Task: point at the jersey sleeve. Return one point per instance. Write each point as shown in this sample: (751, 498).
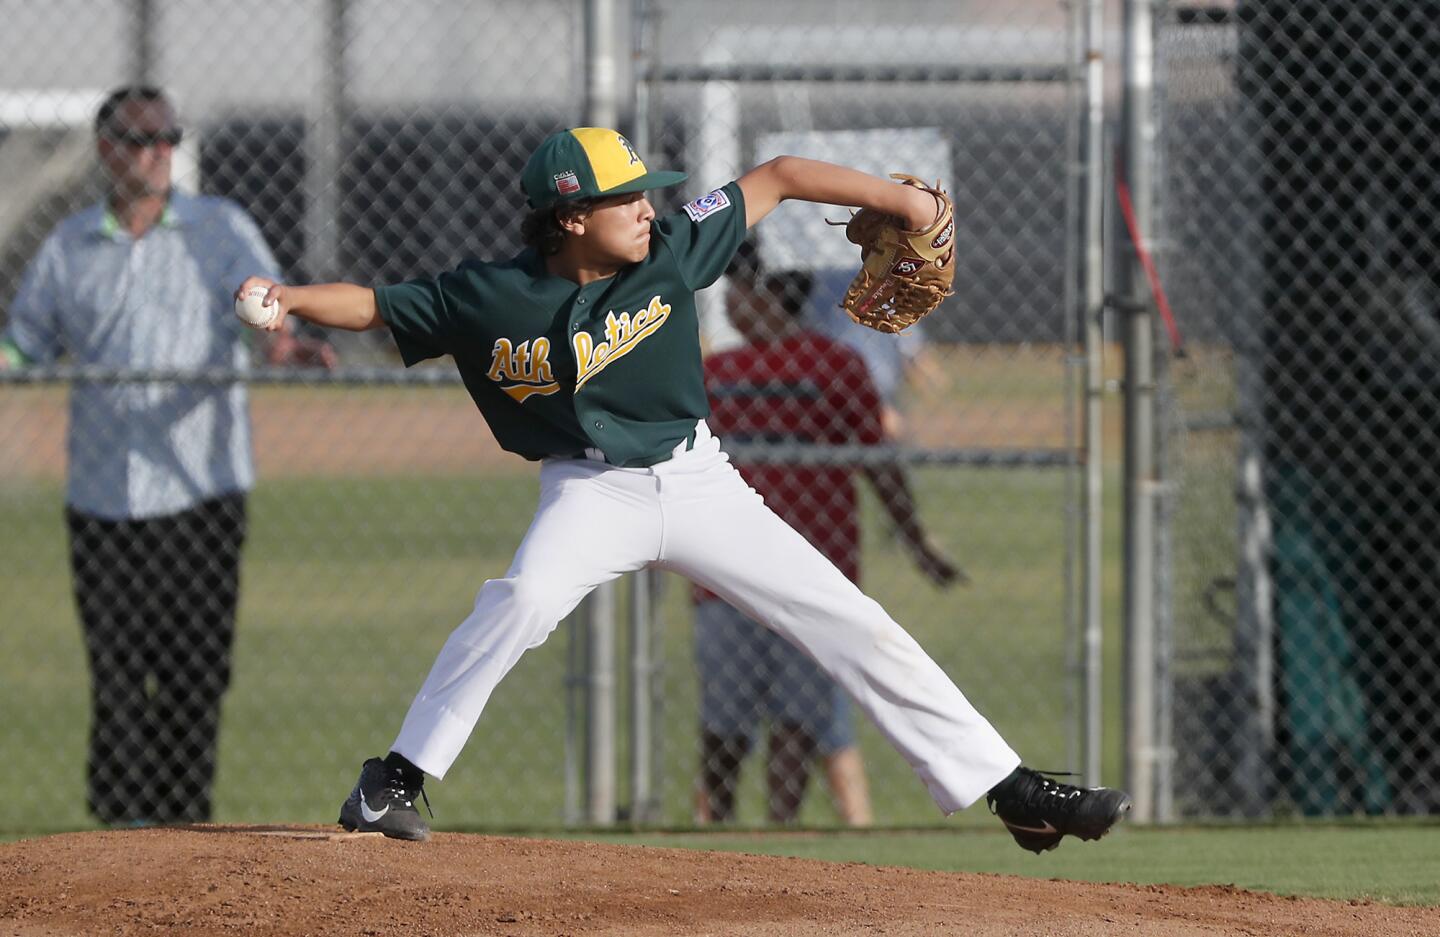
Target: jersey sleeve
(704, 235)
(421, 316)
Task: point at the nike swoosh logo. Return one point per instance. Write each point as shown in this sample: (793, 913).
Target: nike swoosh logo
(1047, 828)
(371, 815)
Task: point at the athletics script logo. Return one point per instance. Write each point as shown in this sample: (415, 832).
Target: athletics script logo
(623, 332)
(522, 370)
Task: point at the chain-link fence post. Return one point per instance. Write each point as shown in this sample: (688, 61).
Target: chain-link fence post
(1140, 481)
(1091, 27)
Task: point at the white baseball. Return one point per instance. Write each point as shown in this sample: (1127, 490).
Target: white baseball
(251, 311)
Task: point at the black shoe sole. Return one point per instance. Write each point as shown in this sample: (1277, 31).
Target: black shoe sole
(1045, 842)
(411, 835)
(1035, 842)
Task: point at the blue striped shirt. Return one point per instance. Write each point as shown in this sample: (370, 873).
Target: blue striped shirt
(163, 301)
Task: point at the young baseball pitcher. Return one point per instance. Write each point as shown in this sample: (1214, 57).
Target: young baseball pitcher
(583, 352)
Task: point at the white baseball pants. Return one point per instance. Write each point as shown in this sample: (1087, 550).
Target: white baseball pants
(694, 515)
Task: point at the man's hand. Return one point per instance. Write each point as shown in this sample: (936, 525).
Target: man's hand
(284, 347)
(936, 566)
(289, 350)
(892, 485)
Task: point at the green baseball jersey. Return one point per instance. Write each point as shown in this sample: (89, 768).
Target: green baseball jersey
(557, 368)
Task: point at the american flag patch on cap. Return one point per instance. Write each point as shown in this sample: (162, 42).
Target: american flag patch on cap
(567, 184)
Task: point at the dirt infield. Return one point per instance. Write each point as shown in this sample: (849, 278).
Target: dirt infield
(988, 397)
(293, 881)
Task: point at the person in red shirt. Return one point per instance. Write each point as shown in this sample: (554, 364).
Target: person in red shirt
(790, 386)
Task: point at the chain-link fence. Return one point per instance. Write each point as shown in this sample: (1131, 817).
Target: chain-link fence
(1299, 143)
(171, 609)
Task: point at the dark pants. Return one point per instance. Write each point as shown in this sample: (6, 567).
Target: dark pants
(157, 602)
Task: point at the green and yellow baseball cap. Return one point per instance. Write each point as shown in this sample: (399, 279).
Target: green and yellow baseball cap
(588, 162)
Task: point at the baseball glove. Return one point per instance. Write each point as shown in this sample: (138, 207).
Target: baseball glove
(904, 274)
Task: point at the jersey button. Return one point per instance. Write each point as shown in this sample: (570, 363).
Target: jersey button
(599, 424)
(581, 300)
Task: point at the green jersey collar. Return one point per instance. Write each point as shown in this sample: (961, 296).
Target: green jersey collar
(174, 216)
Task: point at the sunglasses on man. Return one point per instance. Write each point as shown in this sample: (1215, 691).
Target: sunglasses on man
(145, 138)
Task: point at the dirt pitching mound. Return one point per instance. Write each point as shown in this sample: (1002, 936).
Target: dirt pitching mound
(291, 881)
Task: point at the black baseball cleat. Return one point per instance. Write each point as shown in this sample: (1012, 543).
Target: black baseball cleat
(382, 803)
(1039, 811)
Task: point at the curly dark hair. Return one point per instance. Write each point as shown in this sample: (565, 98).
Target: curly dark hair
(541, 228)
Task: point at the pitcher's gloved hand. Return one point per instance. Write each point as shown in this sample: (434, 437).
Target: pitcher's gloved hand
(904, 275)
